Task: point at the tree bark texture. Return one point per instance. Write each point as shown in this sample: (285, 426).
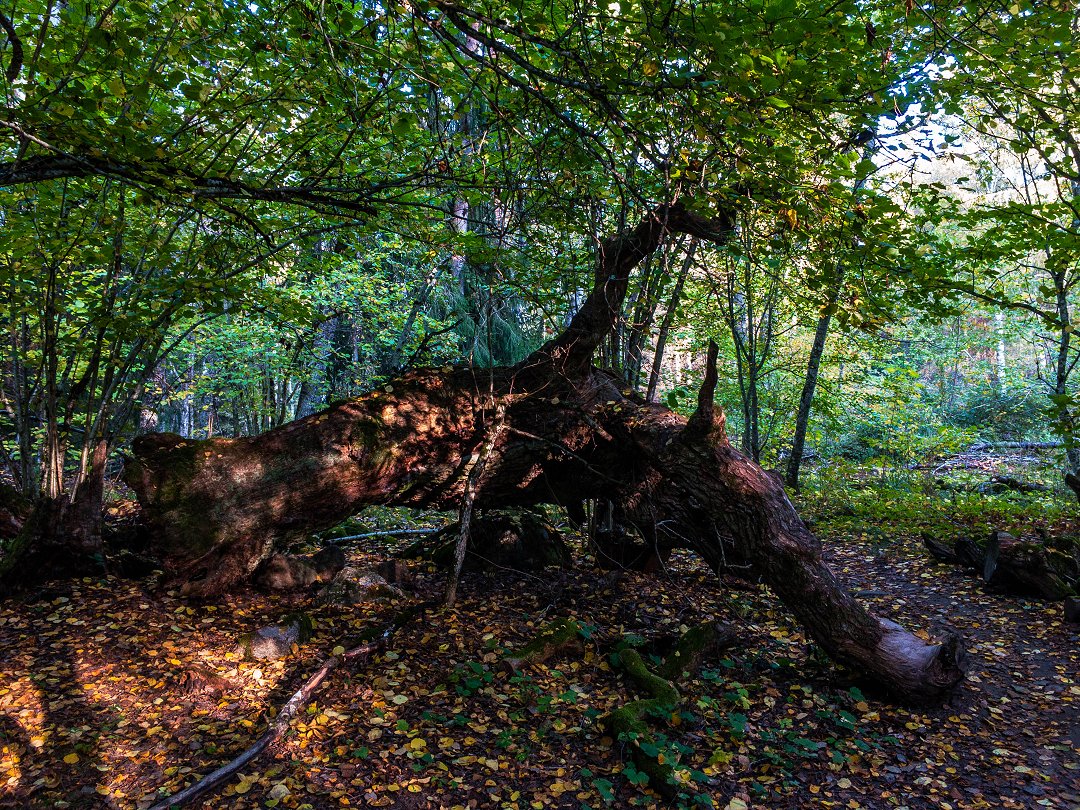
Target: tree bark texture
(552, 429)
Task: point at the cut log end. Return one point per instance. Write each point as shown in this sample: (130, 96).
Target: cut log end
(917, 671)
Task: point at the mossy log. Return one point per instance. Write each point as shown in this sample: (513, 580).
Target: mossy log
(556, 430)
(558, 636)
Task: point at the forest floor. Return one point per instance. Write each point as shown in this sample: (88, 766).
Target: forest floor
(92, 713)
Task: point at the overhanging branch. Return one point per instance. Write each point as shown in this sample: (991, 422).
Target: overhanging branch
(44, 168)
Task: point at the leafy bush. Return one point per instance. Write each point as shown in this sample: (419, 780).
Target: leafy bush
(1007, 413)
(845, 500)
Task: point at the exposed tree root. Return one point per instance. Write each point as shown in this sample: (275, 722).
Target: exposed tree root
(628, 722)
(557, 636)
(685, 659)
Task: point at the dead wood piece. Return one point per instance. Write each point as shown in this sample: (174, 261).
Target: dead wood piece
(337, 541)
(559, 636)
(1013, 565)
(396, 572)
(939, 550)
(992, 554)
(1004, 483)
(1049, 569)
(504, 539)
(1014, 446)
(1072, 609)
(970, 553)
(1073, 483)
(280, 724)
(617, 549)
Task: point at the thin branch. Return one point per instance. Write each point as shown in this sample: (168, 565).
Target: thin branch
(473, 473)
(334, 541)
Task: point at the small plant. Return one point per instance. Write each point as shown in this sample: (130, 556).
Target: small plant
(470, 677)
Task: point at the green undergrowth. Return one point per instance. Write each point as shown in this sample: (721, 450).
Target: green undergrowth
(878, 507)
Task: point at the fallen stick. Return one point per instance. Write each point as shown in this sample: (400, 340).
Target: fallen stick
(295, 704)
(384, 533)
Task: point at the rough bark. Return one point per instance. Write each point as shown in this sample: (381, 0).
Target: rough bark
(61, 534)
(566, 431)
(1049, 569)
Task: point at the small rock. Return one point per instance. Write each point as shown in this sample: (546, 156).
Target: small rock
(269, 642)
(276, 641)
(283, 572)
(1072, 609)
(352, 585)
(396, 572)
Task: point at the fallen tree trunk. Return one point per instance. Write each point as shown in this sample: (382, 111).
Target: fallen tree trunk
(552, 429)
(1048, 569)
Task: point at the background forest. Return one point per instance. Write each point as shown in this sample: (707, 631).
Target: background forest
(219, 219)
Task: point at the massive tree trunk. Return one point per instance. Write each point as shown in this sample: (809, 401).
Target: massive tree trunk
(551, 429)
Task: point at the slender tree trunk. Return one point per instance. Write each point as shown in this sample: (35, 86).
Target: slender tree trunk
(1062, 369)
(813, 366)
(999, 353)
(813, 369)
(665, 325)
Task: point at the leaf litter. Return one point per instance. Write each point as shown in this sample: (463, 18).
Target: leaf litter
(96, 709)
